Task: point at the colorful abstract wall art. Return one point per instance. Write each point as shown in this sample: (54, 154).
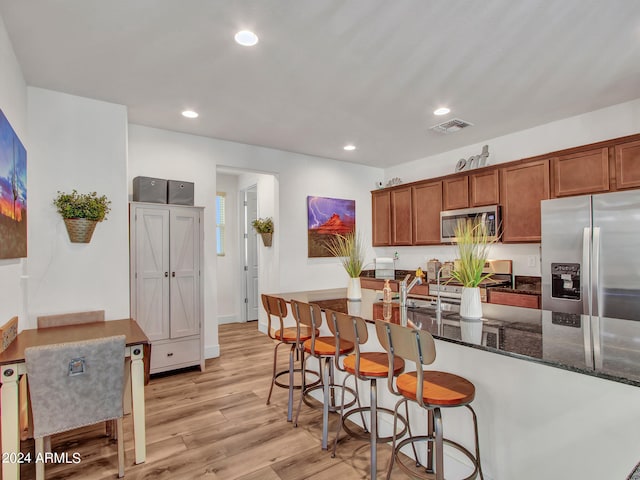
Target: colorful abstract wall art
(328, 217)
(13, 193)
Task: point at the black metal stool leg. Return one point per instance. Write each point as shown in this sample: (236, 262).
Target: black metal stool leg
(395, 436)
(273, 377)
(374, 427)
(429, 466)
(475, 431)
(328, 374)
(302, 389)
(437, 420)
(290, 402)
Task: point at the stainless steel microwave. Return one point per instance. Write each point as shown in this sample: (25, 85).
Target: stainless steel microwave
(490, 215)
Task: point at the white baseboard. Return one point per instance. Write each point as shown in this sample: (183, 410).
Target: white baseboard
(224, 319)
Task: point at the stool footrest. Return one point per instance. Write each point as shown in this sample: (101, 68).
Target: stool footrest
(430, 438)
(334, 407)
(296, 386)
(366, 435)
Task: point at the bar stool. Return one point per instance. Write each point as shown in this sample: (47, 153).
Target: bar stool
(366, 366)
(431, 390)
(325, 349)
(277, 307)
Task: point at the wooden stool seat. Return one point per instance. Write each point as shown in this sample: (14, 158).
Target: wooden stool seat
(326, 347)
(439, 388)
(373, 364)
(289, 335)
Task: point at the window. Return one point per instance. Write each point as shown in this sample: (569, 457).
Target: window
(220, 201)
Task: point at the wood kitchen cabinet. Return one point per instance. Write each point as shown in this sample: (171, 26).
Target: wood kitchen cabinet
(381, 221)
(426, 201)
(627, 161)
(514, 299)
(581, 173)
(523, 186)
(401, 217)
(484, 188)
(455, 193)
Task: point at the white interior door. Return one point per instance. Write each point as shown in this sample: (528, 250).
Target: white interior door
(251, 260)
(185, 272)
(152, 271)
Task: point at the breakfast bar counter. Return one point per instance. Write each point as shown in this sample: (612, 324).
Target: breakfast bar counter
(606, 348)
(578, 419)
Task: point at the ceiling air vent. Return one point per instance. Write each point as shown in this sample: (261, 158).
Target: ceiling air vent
(451, 126)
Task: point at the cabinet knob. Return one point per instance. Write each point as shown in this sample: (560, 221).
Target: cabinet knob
(170, 354)
(166, 274)
(173, 274)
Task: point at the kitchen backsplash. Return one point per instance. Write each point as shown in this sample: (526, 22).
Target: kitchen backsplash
(526, 257)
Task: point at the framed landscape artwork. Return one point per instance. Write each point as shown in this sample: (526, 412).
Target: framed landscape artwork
(328, 217)
(13, 193)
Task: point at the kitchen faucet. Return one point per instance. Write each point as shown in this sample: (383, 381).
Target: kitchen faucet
(404, 291)
(438, 302)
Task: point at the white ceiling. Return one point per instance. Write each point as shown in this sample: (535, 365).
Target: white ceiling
(329, 72)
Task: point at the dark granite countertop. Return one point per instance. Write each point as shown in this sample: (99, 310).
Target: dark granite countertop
(606, 348)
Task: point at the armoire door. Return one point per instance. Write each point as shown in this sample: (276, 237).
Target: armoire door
(152, 272)
(185, 272)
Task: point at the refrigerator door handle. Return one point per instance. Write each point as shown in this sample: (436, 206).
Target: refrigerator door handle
(596, 295)
(586, 271)
(595, 272)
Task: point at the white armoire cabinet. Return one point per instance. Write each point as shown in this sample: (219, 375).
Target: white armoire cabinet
(166, 283)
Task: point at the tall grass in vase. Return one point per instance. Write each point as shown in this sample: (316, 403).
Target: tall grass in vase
(350, 249)
(473, 244)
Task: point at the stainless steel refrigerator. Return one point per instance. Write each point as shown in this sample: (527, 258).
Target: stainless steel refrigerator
(591, 272)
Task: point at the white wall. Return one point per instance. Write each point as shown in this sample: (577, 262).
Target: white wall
(604, 124)
(13, 102)
(611, 122)
(77, 143)
(228, 271)
(285, 266)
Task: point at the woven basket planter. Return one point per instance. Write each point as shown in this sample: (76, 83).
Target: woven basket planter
(267, 239)
(80, 230)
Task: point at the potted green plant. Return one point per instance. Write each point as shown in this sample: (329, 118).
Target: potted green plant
(81, 213)
(264, 226)
(473, 245)
(350, 249)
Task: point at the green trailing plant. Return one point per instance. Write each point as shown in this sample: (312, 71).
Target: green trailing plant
(350, 249)
(263, 225)
(473, 245)
(82, 205)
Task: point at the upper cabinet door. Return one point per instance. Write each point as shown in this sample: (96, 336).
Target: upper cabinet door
(455, 193)
(381, 218)
(581, 173)
(401, 226)
(185, 272)
(484, 188)
(628, 165)
(523, 187)
(426, 203)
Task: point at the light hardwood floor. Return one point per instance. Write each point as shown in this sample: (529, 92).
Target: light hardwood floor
(215, 425)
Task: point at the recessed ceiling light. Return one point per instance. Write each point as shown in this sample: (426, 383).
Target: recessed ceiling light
(441, 111)
(349, 148)
(190, 114)
(246, 38)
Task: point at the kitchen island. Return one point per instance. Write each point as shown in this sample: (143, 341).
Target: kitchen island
(578, 419)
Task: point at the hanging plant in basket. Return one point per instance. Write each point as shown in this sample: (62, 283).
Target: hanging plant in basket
(264, 226)
(81, 213)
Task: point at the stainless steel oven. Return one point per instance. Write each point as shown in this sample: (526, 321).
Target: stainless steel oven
(449, 219)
